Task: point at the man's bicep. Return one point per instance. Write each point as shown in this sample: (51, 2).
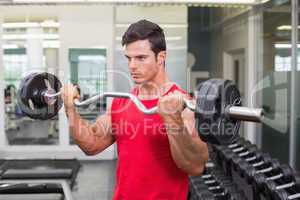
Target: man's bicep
(103, 127)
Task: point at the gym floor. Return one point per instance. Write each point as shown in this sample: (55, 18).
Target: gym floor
(95, 180)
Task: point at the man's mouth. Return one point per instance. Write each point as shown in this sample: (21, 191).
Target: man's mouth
(135, 75)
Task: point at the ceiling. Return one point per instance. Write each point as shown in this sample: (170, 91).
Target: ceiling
(214, 3)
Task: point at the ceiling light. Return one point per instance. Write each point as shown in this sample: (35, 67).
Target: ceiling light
(10, 46)
(246, 2)
(170, 38)
(285, 28)
(45, 24)
(30, 36)
(285, 46)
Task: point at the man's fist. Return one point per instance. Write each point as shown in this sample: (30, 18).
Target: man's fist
(69, 93)
(170, 108)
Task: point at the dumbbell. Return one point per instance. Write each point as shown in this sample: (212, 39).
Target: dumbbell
(213, 173)
(242, 153)
(206, 195)
(218, 183)
(234, 156)
(270, 186)
(213, 183)
(252, 156)
(225, 182)
(218, 108)
(237, 143)
(219, 177)
(225, 153)
(248, 170)
(217, 192)
(284, 195)
(284, 171)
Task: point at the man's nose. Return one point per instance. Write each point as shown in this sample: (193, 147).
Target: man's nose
(132, 64)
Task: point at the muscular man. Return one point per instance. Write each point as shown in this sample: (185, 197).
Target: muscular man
(156, 153)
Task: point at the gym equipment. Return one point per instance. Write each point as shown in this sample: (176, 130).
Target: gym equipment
(51, 169)
(284, 171)
(214, 184)
(21, 188)
(241, 151)
(243, 163)
(232, 155)
(256, 173)
(272, 185)
(42, 196)
(32, 97)
(283, 195)
(35, 190)
(248, 170)
(218, 109)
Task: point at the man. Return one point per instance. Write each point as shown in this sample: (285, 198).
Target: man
(156, 153)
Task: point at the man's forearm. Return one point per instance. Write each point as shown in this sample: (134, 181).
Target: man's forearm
(82, 132)
(188, 151)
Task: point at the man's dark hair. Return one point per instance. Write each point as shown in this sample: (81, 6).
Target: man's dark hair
(143, 30)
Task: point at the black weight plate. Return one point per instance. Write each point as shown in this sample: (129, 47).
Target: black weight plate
(30, 97)
(202, 106)
(213, 96)
(229, 128)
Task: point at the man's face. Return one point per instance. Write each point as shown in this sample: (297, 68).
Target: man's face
(143, 65)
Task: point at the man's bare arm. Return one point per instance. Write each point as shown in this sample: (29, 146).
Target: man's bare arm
(91, 138)
(189, 152)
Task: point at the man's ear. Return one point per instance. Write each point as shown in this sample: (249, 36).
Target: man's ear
(161, 57)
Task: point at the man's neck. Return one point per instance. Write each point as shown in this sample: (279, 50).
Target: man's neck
(155, 89)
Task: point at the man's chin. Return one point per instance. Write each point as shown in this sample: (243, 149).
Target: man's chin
(139, 81)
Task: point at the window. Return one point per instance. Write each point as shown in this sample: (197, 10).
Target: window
(28, 47)
(88, 70)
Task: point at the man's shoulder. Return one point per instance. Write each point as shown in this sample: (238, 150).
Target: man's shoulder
(183, 91)
(178, 88)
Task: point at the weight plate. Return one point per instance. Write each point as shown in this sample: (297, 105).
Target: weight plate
(213, 125)
(30, 96)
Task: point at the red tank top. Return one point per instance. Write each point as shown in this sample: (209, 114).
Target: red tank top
(145, 168)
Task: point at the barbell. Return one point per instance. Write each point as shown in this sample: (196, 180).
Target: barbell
(218, 108)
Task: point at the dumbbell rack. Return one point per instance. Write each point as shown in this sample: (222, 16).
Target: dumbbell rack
(241, 171)
(255, 173)
(214, 184)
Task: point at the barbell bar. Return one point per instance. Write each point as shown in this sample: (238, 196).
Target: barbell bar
(237, 112)
(218, 105)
